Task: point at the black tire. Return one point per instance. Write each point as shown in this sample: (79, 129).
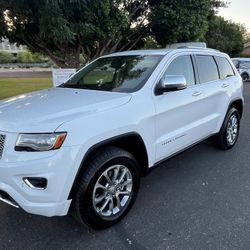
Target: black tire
(245, 77)
(221, 140)
(83, 203)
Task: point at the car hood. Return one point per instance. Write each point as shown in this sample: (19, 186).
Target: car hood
(46, 110)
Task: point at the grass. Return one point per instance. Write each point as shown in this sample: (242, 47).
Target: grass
(16, 86)
(12, 86)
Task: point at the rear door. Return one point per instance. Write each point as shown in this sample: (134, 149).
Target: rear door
(228, 79)
(215, 81)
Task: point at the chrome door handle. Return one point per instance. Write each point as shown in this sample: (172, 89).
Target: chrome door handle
(225, 85)
(197, 93)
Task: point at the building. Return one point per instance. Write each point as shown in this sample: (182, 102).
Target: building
(11, 48)
(246, 51)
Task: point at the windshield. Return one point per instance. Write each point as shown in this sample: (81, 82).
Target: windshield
(118, 74)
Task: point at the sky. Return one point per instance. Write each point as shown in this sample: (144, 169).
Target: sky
(238, 11)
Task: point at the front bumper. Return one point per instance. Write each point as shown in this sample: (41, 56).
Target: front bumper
(45, 209)
(58, 167)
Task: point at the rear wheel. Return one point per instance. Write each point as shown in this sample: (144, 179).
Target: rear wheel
(229, 133)
(245, 77)
(107, 189)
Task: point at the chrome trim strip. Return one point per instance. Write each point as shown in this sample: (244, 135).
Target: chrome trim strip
(11, 203)
(2, 142)
(27, 182)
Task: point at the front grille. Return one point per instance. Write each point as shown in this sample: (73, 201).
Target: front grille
(2, 141)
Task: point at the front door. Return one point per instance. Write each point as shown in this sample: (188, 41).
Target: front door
(180, 115)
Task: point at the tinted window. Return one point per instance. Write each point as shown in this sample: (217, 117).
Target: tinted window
(224, 67)
(207, 68)
(182, 66)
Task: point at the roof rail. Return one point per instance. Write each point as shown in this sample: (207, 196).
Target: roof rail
(192, 47)
(187, 45)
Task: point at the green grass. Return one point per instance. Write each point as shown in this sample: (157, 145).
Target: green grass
(16, 86)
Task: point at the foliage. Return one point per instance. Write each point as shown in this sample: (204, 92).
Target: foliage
(150, 43)
(225, 36)
(66, 29)
(81, 60)
(39, 58)
(5, 57)
(181, 21)
(25, 57)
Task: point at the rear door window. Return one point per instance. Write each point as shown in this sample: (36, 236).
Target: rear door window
(225, 68)
(207, 68)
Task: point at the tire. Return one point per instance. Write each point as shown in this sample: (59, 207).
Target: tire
(244, 77)
(109, 163)
(229, 133)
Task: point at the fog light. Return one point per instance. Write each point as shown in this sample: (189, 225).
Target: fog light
(36, 182)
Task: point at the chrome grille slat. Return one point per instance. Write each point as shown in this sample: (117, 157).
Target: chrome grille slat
(2, 141)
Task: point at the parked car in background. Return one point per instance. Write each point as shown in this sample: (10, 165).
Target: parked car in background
(243, 67)
(83, 146)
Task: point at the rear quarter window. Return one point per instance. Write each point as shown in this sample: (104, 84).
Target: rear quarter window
(207, 68)
(225, 68)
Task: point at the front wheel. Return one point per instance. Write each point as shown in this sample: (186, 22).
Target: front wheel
(108, 188)
(229, 133)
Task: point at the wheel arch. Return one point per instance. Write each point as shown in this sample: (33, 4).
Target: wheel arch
(131, 142)
(244, 73)
(238, 104)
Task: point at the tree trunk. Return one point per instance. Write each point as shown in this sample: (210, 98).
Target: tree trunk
(72, 58)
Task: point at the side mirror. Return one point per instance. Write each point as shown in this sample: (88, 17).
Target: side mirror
(171, 83)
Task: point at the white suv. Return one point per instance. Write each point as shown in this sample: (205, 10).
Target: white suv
(243, 67)
(84, 145)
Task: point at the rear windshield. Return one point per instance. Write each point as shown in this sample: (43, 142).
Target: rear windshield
(117, 74)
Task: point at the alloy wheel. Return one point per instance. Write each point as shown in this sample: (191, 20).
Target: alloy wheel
(232, 130)
(112, 191)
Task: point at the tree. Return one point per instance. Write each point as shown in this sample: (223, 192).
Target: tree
(5, 57)
(25, 57)
(150, 43)
(64, 29)
(181, 21)
(226, 36)
(39, 58)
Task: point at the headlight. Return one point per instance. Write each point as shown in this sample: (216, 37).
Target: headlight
(40, 142)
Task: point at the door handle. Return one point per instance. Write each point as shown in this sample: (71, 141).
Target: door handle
(197, 93)
(225, 85)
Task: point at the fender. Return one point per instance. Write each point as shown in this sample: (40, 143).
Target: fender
(143, 160)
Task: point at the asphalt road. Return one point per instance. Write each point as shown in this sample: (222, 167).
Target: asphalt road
(197, 200)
